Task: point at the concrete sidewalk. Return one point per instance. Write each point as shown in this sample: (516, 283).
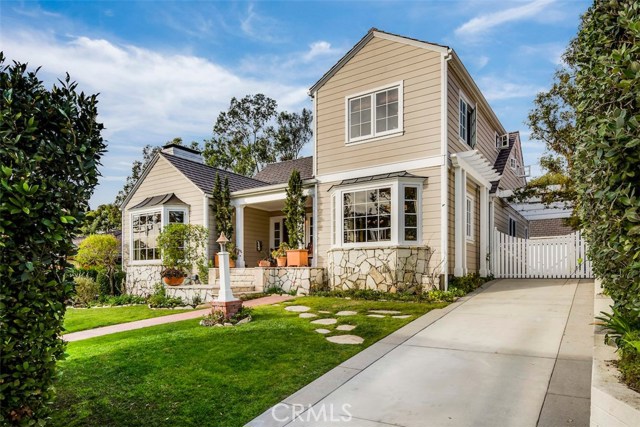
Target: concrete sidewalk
(517, 353)
(139, 324)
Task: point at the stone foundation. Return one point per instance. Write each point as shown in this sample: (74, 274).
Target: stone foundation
(387, 269)
(141, 279)
(188, 292)
(302, 280)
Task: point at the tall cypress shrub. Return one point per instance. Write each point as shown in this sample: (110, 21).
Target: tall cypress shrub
(294, 210)
(50, 147)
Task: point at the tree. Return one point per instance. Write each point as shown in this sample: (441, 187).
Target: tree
(106, 219)
(138, 168)
(242, 140)
(605, 58)
(221, 204)
(292, 133)
(295, 210)
(100, 251)
(50, 149)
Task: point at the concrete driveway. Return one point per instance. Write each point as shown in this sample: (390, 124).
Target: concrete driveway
(515, 353)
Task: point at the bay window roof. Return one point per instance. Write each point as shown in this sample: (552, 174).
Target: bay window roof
(162, 199)
(379, 177)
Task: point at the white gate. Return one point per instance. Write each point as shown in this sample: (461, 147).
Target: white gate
(545, 257)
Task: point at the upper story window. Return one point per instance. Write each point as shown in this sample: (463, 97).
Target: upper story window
(514, 163)
(512, 227)
(467, 122)
(374, 114)
(145, 228)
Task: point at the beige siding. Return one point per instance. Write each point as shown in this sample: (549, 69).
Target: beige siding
(430, 214)
(163, 178)
(502, 210)
(256, 227)
(379, 63)
(509, 180)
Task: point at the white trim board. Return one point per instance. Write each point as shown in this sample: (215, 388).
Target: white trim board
(427, 162)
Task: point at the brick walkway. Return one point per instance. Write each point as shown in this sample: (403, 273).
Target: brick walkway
(139, 324)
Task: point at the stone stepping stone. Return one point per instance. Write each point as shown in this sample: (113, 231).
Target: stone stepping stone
(346, 327)
(324, 312)
(385, 311)
(323, 331)
(404, 316)
(346, 313)
(298, 308)
(375, 315)
(325, 322)
(307, 315)
(345, 339)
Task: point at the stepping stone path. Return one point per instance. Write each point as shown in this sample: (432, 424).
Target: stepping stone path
(385, 312)
(375, 315)
(325, 322)
(346, 339)
(298, 308)
(324, 312)
(346, 313)
(346, 327)
(308, 315)
(404, 316)
(323, 331)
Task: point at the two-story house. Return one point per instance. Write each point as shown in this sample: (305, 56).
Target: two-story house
(404, 184)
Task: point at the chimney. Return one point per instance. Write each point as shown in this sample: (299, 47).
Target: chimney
(183, 152)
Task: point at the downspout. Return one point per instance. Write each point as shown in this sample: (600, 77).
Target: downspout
(444, 170)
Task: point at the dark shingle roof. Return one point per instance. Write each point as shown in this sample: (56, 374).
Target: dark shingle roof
(159, 200)
(204, 176)
(503, 158)
(277, 173)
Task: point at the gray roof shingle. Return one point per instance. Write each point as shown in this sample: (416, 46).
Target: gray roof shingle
(278, 173)
(203, 176)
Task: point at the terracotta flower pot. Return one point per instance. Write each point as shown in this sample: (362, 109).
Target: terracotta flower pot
(173, 281)
(232, 263)
(282, 261)
(298, 258)
(264, 263)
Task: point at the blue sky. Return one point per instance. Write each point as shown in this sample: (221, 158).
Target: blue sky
(166, 69)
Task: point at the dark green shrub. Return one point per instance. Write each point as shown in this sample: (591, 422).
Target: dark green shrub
(50, 147)
(159, 299)
(124, 299)
(86, 290)
(468, 283)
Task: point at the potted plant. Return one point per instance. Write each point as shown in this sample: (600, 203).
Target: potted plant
(234, 252)
(265, 261)
(295, 211)
(280, 255)
(181, 247)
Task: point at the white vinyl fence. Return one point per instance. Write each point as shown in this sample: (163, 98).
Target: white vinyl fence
(546, 257)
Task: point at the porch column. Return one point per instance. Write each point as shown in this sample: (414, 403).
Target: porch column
(460, 222)
(240, 235)
(484, 230)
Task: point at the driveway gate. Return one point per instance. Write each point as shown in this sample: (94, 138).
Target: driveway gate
(544, 257)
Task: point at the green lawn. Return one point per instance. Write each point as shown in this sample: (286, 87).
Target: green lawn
(183, 374)
(80, 319)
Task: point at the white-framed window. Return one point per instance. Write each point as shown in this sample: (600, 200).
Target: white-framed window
(469, 229)
(146, 226)
(388, 213)
(513, 163)
(467, 121)
(375, 113)
(512, 227)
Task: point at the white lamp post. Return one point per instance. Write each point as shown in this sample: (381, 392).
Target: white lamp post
(225, 301)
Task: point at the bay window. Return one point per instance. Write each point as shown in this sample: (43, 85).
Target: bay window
(374, 114)
(378, 215)
(146, 226)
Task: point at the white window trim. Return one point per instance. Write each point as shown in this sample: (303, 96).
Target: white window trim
(164, 220)
(471, 214)
(397, 214)
(497, 135)
(513, 163)
(280, 219)
(465, 98)
(375, 136)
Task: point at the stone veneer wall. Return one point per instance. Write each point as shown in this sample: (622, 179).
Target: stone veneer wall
(302, 280)
(142, 278)
(386, 269)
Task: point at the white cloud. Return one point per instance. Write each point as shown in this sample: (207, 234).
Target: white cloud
(261, 27)
(484, 23)
(498, 88)
(552, 52)
(480, 61)
(146, 97)
(319, 48)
